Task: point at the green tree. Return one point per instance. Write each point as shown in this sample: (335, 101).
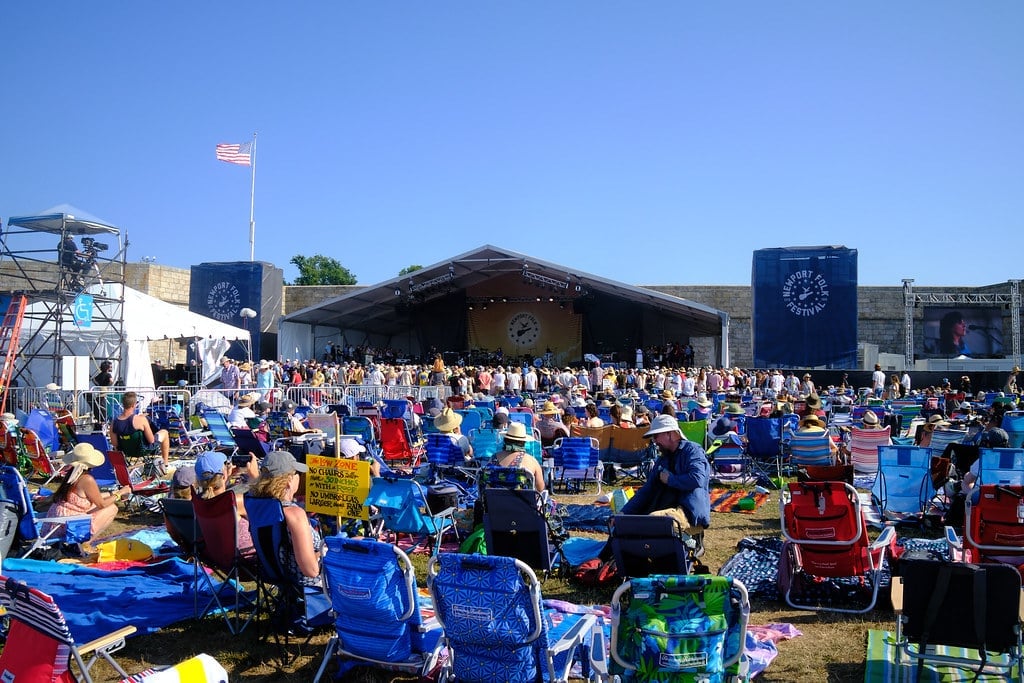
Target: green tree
(321, 270)
(409, 269)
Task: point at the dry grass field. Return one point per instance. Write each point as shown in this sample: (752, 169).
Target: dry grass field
(831, 648)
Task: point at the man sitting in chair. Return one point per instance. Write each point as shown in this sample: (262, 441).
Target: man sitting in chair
(677, 485)
(128, 424)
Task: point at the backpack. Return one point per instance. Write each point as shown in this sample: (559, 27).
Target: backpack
(596, 572)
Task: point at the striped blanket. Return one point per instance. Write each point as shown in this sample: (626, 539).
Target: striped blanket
(881, 664)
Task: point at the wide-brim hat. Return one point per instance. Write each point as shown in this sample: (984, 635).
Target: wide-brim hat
(52, 386)
(722, 426)
(704, 402)
(733, 409)
(245, 401)
(870, 418)
(627, 413)
(548, 408)
(447, 421)
(813, 401)
(84, 454)
(811, 420)
(663, 423)
(668, 395)
(517, 432)
(936, 421)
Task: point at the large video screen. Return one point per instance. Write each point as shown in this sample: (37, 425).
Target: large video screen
(974, 332)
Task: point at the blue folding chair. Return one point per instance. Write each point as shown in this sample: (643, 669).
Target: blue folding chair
(495, 626)
(1001, 466)
(471, 419)
(486, 442)
(904, 482)
(379, 614)
(577, 459)
(1013, 423)
(35, 533)
(218, 427)
(523, 417)
(404, 509)
(292, 606)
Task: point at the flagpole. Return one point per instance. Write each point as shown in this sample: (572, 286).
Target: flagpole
(252, 205)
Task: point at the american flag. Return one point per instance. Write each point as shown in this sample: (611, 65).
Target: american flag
(240, 154)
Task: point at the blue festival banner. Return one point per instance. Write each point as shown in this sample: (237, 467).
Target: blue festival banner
(805, 307)
(221, 290)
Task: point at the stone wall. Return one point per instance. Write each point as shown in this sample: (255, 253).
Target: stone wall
(879, 309)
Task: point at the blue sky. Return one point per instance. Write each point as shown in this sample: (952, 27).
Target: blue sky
(652, 143)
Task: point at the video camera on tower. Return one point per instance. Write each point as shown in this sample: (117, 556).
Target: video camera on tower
(91, 247)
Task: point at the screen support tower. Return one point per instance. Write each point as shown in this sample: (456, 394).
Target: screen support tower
(912, 299)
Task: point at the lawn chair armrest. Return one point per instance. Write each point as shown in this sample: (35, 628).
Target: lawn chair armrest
(598, 651)
(574, 636)
(896, 594)
(112, 639)
(884, 539)
(954, 544)
(1020, 605)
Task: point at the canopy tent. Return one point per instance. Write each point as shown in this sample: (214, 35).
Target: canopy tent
(146, 319)
(428, 308)
(64, 218)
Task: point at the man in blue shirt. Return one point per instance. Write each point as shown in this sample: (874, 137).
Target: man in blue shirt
(677, 485)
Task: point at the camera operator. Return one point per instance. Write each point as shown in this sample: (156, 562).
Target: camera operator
(70, 258)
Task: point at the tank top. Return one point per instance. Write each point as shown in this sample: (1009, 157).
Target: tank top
(124, 427)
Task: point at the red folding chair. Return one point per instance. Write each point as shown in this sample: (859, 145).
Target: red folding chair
(828, 538)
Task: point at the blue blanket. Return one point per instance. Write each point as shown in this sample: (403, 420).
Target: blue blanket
(585, 517)
(96, 602)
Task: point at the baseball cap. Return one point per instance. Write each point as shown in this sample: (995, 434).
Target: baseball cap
(994, 438)
(183, 477)
(277, 463)
(663, 423)
(209, 464)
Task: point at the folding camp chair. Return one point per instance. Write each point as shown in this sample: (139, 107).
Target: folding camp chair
(765, 446)
(863, 447)
(35, 533)
(293, 608)
(486, 441)
(824, 525)
(379, 615)
(404, 509)
(518, 523)
(185, 442)
(144, 490)
(576, 460)
(1013, 423)
(361, 426)
(904, 484)
(729, 460)
(396, 444)
(1001, 466)
(811, 449)
(217, 519)
(695, 431)
(977, 607)
(104, 475)
(445, 456)
(993, 526)
(44, 464)
(218, 427)
(494, 624)
(39, 645)
(524, 416)
(643, 545)
(180, 522)
(627, 454)
(247, 442)
(680, 628)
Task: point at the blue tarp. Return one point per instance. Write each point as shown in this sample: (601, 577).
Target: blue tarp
(96, 602)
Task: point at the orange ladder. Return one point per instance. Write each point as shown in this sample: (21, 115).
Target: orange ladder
(9, 333)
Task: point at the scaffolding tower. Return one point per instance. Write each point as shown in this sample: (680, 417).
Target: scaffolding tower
(71, 267)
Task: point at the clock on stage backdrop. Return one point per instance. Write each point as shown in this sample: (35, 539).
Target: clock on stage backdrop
(805, 307)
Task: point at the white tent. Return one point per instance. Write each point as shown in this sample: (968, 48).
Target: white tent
(146, 319)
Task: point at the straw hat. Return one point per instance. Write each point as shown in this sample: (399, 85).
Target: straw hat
(812, 420)
(517, 432)
(52, 386)
(936, 421)
(84, 454)
(548, 409)
(245, 401)
(447, 421)
(870, 418)
(703, 401)
(627, 413)
(668, 395)
(813, 401)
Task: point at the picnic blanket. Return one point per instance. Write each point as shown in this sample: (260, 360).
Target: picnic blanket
(97, 601)
(585, 517)
(756, 564)
(728, 500)
(881, 666)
